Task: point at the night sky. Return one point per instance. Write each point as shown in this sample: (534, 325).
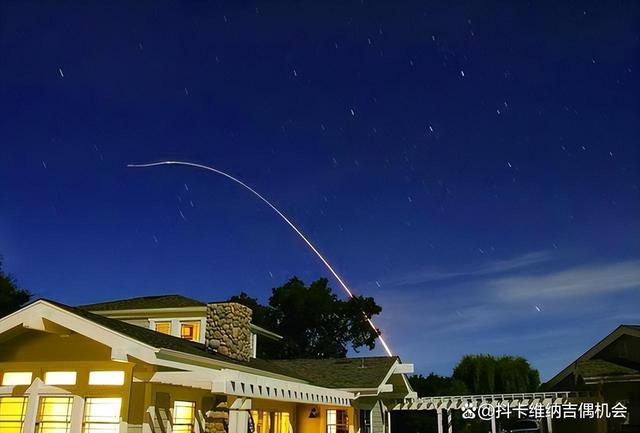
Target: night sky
(474, 167)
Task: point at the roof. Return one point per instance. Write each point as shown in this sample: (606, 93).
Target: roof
(633, 330)
(599, 368)
(346, 373)
(144, 302)
(164, 341)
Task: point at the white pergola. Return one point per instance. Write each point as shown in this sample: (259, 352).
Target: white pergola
(447, 404)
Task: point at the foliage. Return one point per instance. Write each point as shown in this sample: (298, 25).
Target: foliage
(314, 322)
(435, 385)
(486, 374)
(11, 296)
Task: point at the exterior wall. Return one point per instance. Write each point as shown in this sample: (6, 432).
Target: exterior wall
(378, 413)
(41, 352)
(318, 425)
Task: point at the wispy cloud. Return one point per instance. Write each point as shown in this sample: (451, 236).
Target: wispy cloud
(535, 305)
(489, 268)
(575, 282)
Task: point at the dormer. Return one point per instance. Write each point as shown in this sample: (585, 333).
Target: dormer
(222, 326)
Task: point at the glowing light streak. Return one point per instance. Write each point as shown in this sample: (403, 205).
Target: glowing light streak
(284, 217)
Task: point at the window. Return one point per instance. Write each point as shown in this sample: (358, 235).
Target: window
(164, 327)
(282, 423)
(365, 421)
(271, 422)
(337, 421)
(106, 377)
(17, 378)
(102, 415)
(12, 410)
(60, 378)
(184, 414)
(54, 415)
(190, 330)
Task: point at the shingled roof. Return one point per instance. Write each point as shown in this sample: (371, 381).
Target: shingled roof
(144, 303)
(164, 341)
(345, 373)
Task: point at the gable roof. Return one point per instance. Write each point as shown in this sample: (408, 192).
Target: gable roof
(345, 373)
(144, 303)
(159, 340)
(633, 330)
(599, 367)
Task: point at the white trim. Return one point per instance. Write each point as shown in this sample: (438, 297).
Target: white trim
(227, 377)
(606, 341)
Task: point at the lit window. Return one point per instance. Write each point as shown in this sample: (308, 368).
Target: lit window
(12, 410)
(16, 378)
(54, 415)
(271, 422)
(337, 421)
(190, 330)
(164, 327)
(102, 415)
(106, 377)
(282, 422)
(60, 378)
(184, 414)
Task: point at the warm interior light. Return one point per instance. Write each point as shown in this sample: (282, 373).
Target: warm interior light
(190, 330)
(16, 378)
(60, 378)
(12, 411)
(55, 414)
(102, 415)
(183, 416)
(163, 327)
(106, 378)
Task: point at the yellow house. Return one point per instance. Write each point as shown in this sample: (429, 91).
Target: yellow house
(172, 364)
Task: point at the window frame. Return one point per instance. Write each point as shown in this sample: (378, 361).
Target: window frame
(40, 415)
(61, 375)
(16, 383)
(176, 425)
(163, 322)
(365, 420)
(19, 419)
(88, 424)
(97, 377)
(196, 326)
(338, 427)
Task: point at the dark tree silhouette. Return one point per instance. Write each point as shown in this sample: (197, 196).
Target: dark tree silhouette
(11, 296)
(314, 322)
(486, 374)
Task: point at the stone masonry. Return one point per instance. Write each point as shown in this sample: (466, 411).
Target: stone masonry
(228, 330)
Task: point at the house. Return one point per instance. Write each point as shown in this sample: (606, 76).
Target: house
(610, 371)
(172, 364)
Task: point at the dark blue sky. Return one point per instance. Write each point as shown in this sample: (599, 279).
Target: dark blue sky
(473, 167)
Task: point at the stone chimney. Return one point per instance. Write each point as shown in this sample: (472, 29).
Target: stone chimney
(229, 330)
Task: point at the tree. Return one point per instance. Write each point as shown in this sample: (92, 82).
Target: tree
(435, 385)
(11, 296)
(485, 374)
(314, 322)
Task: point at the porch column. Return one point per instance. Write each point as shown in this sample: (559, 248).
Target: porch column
(30, 414)
(449, 421)
(549, 425)
(440, 426)
(388, 421)
(239, 415)
(77, 409)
